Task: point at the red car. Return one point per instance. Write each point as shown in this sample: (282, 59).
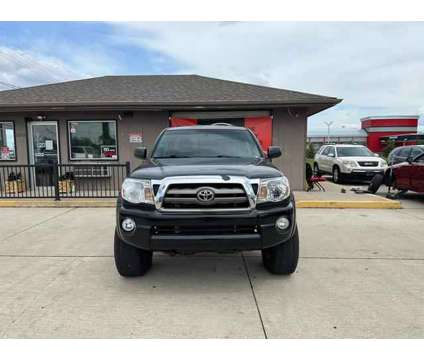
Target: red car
(408, 175)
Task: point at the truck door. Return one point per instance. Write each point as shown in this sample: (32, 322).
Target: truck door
(417, 174)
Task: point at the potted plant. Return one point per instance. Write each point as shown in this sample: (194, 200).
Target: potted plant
(67, 183)
(15, 184)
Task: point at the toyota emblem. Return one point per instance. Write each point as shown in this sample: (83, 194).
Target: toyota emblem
(205, 195)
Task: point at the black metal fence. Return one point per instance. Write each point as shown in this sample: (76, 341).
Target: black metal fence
(62, 180)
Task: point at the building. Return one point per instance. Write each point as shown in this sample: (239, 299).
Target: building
(102, 120)
(378, 128)
(337, 136)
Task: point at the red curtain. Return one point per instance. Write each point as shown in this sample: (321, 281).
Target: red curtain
(262, 128)
(182, 122)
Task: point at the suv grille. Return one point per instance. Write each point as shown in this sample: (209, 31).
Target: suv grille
(368, 163)
(205, 230)
(205, 196)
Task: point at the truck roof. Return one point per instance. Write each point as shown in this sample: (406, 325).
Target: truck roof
(207, 127)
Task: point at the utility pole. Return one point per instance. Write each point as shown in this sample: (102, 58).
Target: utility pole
(328, 123)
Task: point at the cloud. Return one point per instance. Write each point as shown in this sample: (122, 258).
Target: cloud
(25, 68)
(376, 67)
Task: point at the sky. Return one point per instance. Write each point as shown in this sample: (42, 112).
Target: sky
(377, 68)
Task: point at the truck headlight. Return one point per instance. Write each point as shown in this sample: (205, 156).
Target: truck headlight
(274, 189)
(137, 191)
(349, 163)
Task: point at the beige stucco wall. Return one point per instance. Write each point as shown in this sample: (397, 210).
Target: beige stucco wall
(289, 132)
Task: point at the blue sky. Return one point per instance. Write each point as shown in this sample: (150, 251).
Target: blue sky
(377, 68)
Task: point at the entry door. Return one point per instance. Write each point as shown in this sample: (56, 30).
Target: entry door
(43, 149)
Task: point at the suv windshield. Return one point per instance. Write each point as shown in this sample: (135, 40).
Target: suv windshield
(353, 151)
(206, 143)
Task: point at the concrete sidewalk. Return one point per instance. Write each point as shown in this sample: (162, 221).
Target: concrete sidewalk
(360, 275)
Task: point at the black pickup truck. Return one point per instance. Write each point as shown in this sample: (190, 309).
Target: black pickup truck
(206, 188)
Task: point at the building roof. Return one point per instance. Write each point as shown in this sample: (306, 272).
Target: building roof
(390, 117)
(169, 92)
(336, 133)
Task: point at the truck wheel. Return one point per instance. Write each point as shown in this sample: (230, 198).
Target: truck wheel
(375, 183)
(282, 258)
(129, 260)
(336, 175)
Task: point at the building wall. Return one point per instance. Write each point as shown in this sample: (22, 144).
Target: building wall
(289, 132)
(149, 123)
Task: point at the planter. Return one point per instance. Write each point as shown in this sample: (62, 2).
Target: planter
(15, 186)
(66, 186)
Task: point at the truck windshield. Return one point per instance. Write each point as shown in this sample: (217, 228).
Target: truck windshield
(353, 151)
(206, 143)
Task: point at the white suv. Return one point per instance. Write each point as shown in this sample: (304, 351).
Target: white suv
(353, 162)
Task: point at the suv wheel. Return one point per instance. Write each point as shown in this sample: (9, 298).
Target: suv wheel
(282, 258)
(336, 175)
(316, 170)
(129, 260)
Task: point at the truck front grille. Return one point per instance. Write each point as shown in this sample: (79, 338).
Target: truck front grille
(214, 196)
(368, 163)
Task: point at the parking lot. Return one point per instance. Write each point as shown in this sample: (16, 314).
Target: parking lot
(360, 275)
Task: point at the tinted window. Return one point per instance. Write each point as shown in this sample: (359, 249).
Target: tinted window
(420, 159)
(353, 151)
(404, 152)
(206, 143)
(415, 152)
(93, 140)
(331, 151)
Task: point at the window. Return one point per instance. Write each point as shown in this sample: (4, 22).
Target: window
(415, 152)
(325, 151)
(207, 144)
(420, 159)
(331, 151)
(353, 151)
(93, 140)
(7, 141)
(404, 152)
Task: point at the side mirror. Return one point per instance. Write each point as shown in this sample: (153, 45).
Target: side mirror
(331, 155)
(274, 152)
(140, 152)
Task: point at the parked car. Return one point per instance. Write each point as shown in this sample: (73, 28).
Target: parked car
(206, 188)
(403, 153)
(348, 162)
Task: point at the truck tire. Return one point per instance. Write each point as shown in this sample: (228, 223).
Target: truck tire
(337, 176)
(282, 259)
(375, 183)
(129, 260)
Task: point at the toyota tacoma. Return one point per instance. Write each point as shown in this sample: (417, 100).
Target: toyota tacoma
(206, 189)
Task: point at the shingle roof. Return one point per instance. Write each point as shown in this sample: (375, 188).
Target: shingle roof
(169, 91)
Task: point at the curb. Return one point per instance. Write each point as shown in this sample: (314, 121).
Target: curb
(57, 204)
(301, 204)
(348, 204)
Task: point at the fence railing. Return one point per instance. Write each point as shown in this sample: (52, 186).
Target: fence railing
(62, 180)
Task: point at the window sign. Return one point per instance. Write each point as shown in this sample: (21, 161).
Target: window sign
(7, 141)
(94, 140)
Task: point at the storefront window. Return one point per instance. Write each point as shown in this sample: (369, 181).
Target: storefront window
(7, 141)
(93, 140)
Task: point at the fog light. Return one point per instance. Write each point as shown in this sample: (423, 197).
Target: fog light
(128, 224)
(282, 223)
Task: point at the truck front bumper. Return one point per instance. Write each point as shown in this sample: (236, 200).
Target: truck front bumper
(219, 232)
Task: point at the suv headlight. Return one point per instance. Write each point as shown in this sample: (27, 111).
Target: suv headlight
(349, 163)
(274, 189)
(137, 191)
(383, 163)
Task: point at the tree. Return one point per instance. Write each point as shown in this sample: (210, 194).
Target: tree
(310, 152)
(389, 147)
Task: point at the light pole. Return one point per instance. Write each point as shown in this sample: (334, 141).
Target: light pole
(328, 123)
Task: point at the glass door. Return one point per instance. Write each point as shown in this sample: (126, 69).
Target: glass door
(43, 149)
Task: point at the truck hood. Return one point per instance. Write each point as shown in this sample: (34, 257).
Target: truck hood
(161, 168)
(361, 158)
